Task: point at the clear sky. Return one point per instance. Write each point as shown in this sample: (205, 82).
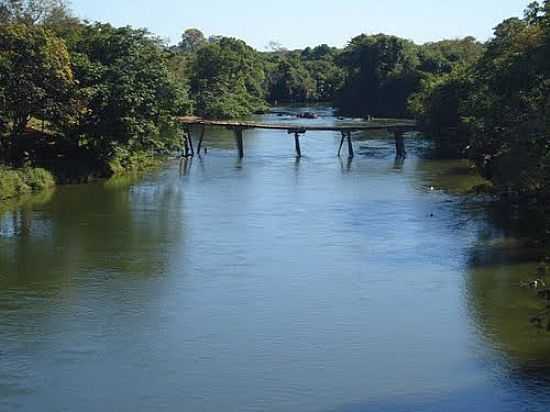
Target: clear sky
(300, 23)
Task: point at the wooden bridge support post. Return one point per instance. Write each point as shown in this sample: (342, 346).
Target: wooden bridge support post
(400, 150)
(297, 143)
(189, 149)
(203, 132)
(350, 145)
(239, 140)
(185, 142)
(341, 143)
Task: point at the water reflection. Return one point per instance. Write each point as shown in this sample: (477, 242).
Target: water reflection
(270, 283)
(185, 165)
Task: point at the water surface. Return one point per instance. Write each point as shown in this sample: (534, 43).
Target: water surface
(270, 283)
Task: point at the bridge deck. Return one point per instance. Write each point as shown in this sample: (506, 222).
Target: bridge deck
(292, 128)
(399, 127)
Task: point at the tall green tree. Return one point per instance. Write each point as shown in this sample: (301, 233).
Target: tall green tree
(381, 74)
(35, 77)
(124, 92)
(292, 82)
(228, 79)
(192, 40)
(47, 12)
(501, 104)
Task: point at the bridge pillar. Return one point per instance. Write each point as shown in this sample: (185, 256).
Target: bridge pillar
(187, 143)
(203, 132)
(400, 150)
(239, 140)
(341, 143)
(297, 144)
(350, 146)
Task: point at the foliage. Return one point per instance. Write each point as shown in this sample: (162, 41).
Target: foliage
(300, 76)
(124, 161)
(109, 94)
(444, 56)
(46, 12)
(510, 104)
(439, 106)
(16, 182)
(35, 75)
(191, 40)
(227, 79)
(501, 105)
(124, 91)
(380, 75)
(291, 82)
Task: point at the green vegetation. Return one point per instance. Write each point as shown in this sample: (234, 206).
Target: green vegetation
(495, 109)
(35, 75)
(17, 182)
(106, 96)
(103, 95)
(311, 75)
(227, 79)
(383, 72)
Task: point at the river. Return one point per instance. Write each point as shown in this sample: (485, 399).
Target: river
(271, 284)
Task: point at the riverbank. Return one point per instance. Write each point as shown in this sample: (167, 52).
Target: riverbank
(18, 182)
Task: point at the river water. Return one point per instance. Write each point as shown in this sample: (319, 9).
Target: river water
(271, 284)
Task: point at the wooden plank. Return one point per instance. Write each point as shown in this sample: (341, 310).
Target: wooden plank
(292, 128)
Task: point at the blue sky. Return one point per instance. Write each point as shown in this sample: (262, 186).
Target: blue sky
(299, 23)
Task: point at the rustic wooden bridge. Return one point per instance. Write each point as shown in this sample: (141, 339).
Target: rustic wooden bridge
(398, 127)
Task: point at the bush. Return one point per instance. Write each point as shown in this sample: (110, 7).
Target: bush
(38, 179)
(17, 182)
(126, 161)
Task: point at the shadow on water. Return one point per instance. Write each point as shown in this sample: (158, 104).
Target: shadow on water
(504, 251)
(47, 250)
(62, 250)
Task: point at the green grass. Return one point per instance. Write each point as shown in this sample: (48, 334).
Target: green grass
(16, 182)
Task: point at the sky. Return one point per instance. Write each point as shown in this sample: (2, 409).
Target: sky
(300, 23)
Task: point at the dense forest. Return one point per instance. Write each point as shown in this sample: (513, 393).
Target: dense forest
(80, 98)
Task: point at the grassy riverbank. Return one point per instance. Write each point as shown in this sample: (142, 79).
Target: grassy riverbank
(17, 182)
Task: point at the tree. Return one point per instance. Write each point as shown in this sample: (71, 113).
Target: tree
(501, 104)
(228, 79)
(124, 93)
(442, 57)
(192, 40)
(440, 109)
(35, 74)
(33, 11)
(381, 74)
(291, 82)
